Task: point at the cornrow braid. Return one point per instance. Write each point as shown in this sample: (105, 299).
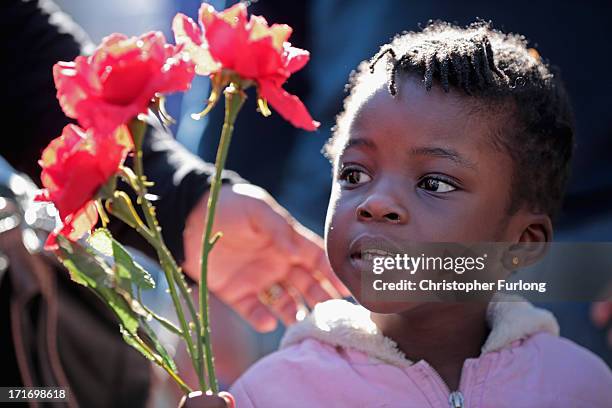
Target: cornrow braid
(377, 57)
(494, 68)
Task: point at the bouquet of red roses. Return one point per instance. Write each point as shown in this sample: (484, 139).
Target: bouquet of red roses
(108, 93)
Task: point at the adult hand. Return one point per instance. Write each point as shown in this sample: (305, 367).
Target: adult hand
(265, 262)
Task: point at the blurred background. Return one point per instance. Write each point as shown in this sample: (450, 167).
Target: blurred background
(573, 35)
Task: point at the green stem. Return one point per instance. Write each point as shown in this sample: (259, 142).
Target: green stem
(234, 99)
(166, 259)
(199, 351)
(169, 267)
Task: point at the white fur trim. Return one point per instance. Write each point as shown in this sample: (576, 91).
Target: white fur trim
(341, 323)
(511, 318)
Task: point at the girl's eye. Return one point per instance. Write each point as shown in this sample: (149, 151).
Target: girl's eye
(354, 177)
(436, 185)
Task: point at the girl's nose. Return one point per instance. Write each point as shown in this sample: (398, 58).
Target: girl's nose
(379, 208)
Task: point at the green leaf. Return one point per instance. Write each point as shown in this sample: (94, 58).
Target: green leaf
(160, 348)
(114, 285)
(132, 340)
(102, 241)
(90, 270)
(124, 313)
(127, 267)
(76, 275)
(127, 270)
(84, 268)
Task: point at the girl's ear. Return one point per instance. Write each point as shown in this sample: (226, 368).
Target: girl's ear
(538, 229)
(533, 240)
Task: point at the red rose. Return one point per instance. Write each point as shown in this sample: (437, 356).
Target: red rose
(252, 49)
(117, 82)
(74, 168)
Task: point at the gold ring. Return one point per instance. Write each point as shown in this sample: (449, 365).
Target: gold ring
(271, 295)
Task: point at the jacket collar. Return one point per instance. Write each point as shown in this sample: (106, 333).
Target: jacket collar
(341, 323)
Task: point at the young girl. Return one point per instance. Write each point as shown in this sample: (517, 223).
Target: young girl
(449, 135)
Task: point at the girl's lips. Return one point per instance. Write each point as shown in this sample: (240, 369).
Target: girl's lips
(361, 264)
(371, 246)
(372, 253)
(364, 261)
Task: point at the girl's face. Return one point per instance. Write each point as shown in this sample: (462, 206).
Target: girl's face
(418, 167)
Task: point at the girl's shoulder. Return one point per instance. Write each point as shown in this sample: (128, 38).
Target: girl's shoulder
(567, 364)
(545, 367)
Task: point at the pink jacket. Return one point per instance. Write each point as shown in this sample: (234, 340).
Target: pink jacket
(336, 357)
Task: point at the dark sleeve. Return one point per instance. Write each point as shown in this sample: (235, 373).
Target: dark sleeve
(32, 39)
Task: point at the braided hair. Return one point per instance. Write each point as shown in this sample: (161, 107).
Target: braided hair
(499, 71)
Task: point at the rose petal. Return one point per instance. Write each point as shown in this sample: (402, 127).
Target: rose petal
(288, 106)
(76, 228)
(77, 164)
(186, 30)
(253, 50)
(260, 60)
(82, 223)
(188, 34)
(295, 58)
(235, 16)
(258, 29)
(225, 42)
(118, 81)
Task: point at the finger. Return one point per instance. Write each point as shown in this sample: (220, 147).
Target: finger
(256, 313)
(311, 256)
(601, 313)
(311, 289)
(301, 245)
(251, 280)
(288, 234)
(285, 308)
(270, 219)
